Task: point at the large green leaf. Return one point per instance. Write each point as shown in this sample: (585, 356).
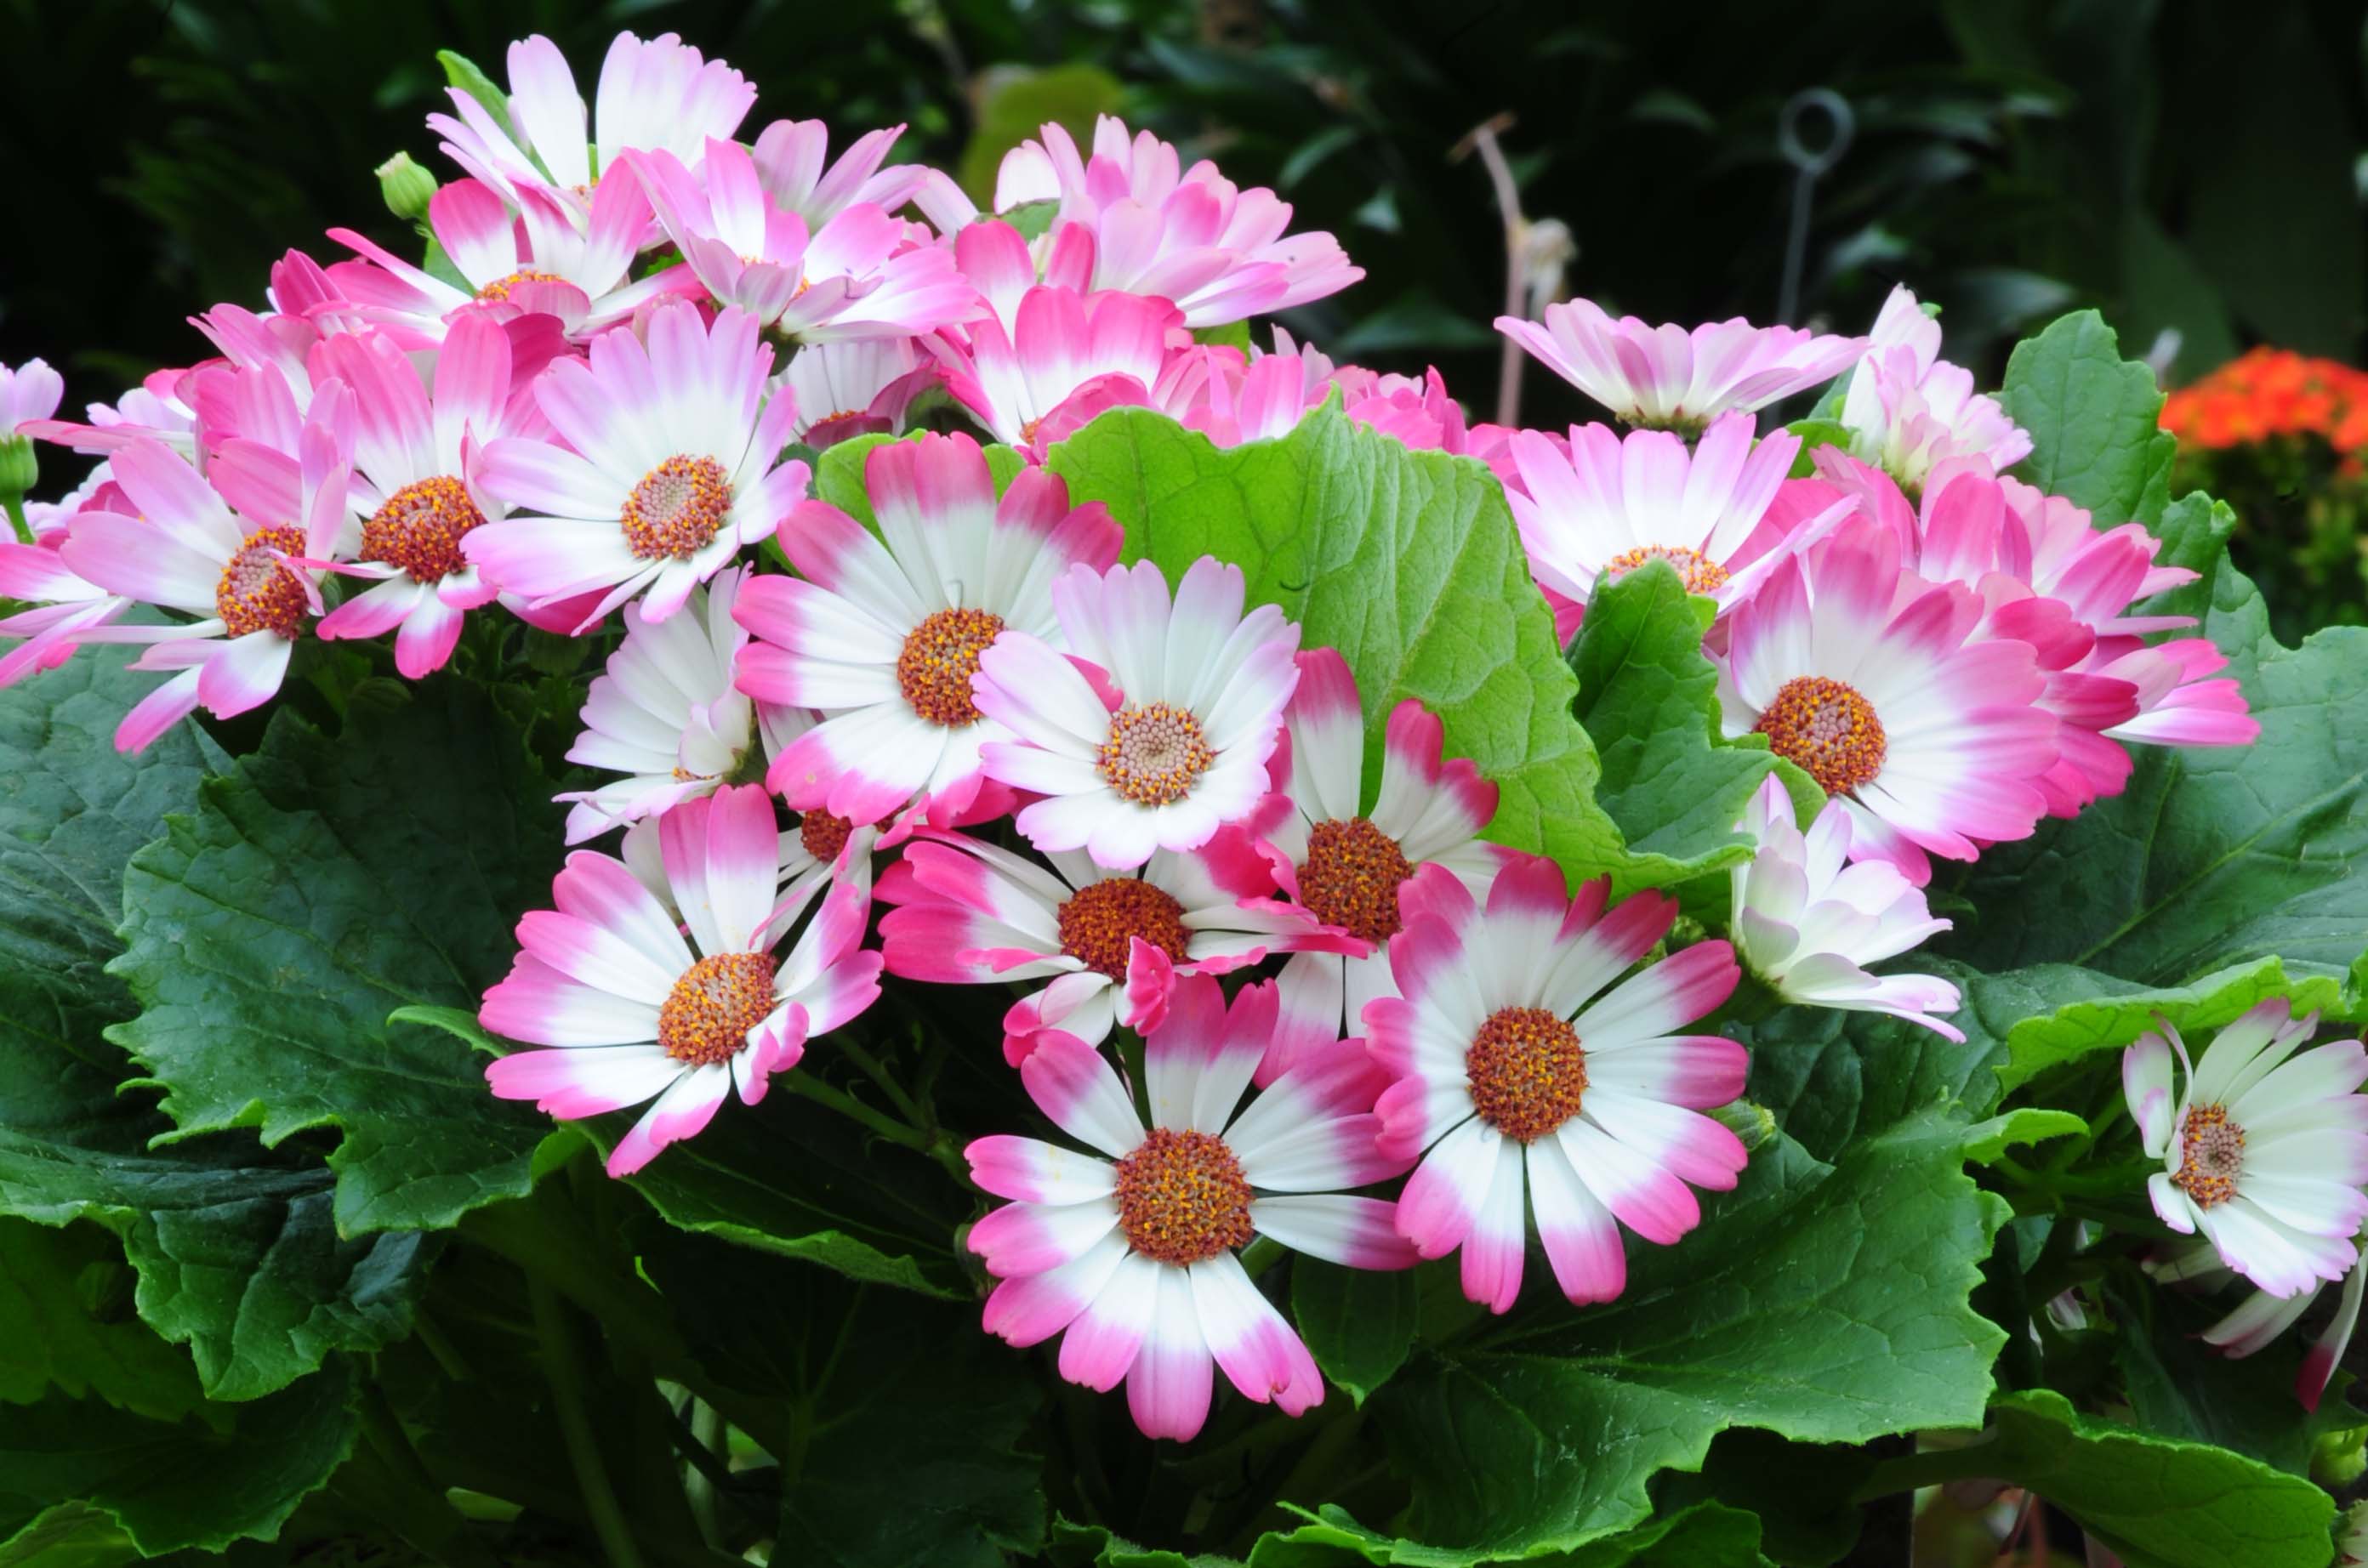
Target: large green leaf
(173, 1485)
(907, 1433)
(65, 1322)
(1359, 1322)
(2120, 1012)
(2094, 418)
(1823, 1303)
(1705, 1536)
(315, 890)
(2158, 1502)
(1408, 563)
(1649, 700)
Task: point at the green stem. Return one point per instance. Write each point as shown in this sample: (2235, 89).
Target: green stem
(565, 1375)
(1909, 1473)
(1261, 1254)
(388, 1480)
(699, 1438)
(937, 1146)
(878, 1072)
(16, 504)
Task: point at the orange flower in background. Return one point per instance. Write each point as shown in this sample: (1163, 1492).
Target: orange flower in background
(2270, 393)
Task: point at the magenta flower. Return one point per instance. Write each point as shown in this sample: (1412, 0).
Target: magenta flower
(1667, 377)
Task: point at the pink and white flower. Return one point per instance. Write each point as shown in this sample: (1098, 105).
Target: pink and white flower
(61, 607)
(667, 470)
(2260, 1317)
(791, 155)
(28, 391)
(1933, 740)
(157, 408)
(667, 715)
(880, 635)
(1344, 862)
(1191, 236)
(1806, 921)
(417, 454)
(1666, 377)
(1131, 1252)
(658, 94)
(1907, 409)
(633, 1013)
(861, 387)
(1603, 505)
(539, 262)
(1109, 945)
(1154, 731)
(1517, 1074)
(243, 578)
(853, 278)
(2264, 1147)
(1067, 358)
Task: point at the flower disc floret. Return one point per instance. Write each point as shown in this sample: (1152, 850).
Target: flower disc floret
(1527, 1072)
(1182, 1197)
(707, 1016)
(499, 289)
(2213, 1150)
(939, 658)
(1350, 877)
(1828, 729)
(1099, 923)
(677, 509)
(420, 529)
(1702, 575)
(258, 591)
(1156, 753)
(824, 835)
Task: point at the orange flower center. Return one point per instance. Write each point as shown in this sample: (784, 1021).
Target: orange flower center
(707, 1016)
(258, 591)
(1351, 876)
(499, 289)
(824, 835)
(938, 661)
(1182, 1197)
(1526, 1071)
(420, 529)
(2213, 1151)
(1702, 575)
(1827, 728)
(1100, 919)
(1155, 754)
(677, 509)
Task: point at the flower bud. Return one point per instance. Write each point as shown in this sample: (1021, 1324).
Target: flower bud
(18, 470)
(406, 186)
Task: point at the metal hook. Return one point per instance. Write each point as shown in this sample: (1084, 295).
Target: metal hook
(1808, 168)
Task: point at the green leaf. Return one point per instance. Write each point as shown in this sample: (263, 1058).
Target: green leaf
(464, 74)
(2094, 418)
(1016, 101)
(67, 1323)
(1094, 1546)
(69, 1536)
(1649, 700)
(1816, 433)
(175, 1485)
(907, 1447)
(1232, 335)
(1409, 564)
(2180, 1387)
(1358, 1322)
(2158, 1502)
(1705, 1536)
(312, 892)
(2121, 1012)
(1824, 1303)
(1987, 1142)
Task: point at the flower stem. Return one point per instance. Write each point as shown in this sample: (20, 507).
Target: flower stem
(565, 1375)
(878, 1072)
(16, 504)
(937, 1146)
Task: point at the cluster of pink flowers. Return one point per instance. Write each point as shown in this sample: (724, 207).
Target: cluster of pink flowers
(593, 422)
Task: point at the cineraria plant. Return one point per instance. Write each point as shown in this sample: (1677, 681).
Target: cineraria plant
(679, 879)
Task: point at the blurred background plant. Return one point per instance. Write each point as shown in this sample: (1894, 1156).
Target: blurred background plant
(2196, 171)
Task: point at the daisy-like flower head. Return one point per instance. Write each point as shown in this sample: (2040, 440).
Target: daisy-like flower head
(2351, 1536)
(1153, 731)
(1067, 358)
(2260, 1317)
(244, 577)
(861, 387)
(1808, 922)
(1192, 236)
(1131, 1249)
(667, 471)
(61, 607)
(1667, 377)
(1344, 862)
(158, 409)
(1931, 740)
(1518, 1071)
(1109, 945)
(853, 276)
(667, 716)
(880, 635)
(1261, 398)
(28, 391)
(416, 453)
(636, 1013)
(1603, 505)
(1908, 409)
(540, 262)
(658, 94)
(2264, 1146)
(792, 160)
